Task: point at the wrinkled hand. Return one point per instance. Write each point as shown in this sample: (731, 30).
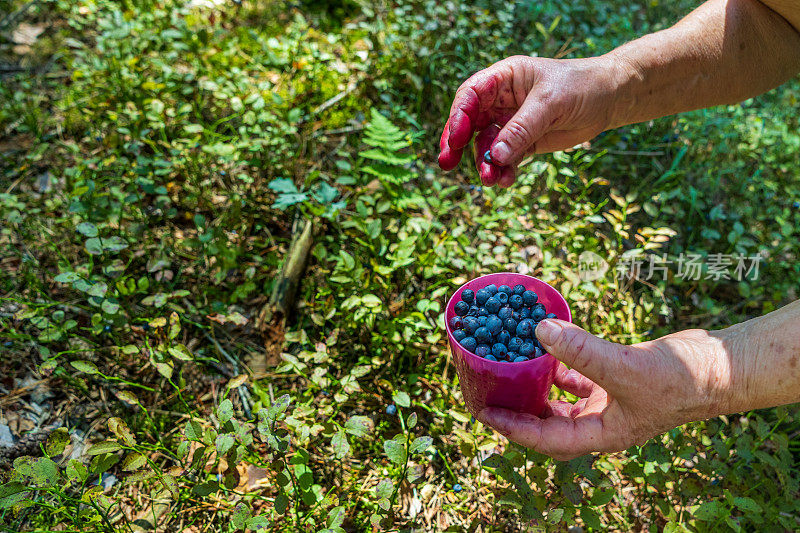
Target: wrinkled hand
(628, 394)
(524, 105)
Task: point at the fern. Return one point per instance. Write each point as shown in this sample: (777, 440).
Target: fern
(388, 159)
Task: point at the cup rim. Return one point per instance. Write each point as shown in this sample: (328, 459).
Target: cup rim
(537, 361)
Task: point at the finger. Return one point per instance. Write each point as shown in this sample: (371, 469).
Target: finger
(560, 437)
(508, 175)
(555, 141)
(470, 106)
(490, 174)
(448, 158)
(483, 141)
(519, 134)
(573, 382)
(591, 356)
(558, 408)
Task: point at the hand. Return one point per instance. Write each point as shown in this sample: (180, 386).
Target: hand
(525, 105)
(628, 394)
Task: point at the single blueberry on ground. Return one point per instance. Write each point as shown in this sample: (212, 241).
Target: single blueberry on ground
(503, 297)
(471, 324)
(518, 289)
(106, 328)
(520, 359)
(483, 335)
(499, 350)
(456, 488)
(511, 325)
(527, 349)
(493, 305)
(456, 322)
(481, 296)
(550, 315)
(491, 289)
(391, 409)
(504, 337)
(469, 344)
(538, 313)
(504, 288)
(494, 324)
(483, 350)
(459, 335)
(529, 298)
(504, 313)
(514, 344)
(468, 295)
(515, 301)
(525, 329)
(462, 308)
(796, 205)
(490, 357)
(482, 320)
(525, 312)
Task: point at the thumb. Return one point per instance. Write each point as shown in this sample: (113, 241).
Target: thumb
(520, 133)
(595, 358)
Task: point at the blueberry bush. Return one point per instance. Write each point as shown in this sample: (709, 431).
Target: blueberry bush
(226, 248)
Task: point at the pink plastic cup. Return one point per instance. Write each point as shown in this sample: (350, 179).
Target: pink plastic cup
(521, 387)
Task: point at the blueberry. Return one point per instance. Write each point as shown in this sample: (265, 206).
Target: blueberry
(106, 328)
(493, 305)
(469, 344)
(796, 205)
(468, 295)
(483, 335)
(529, 298)
(470, 324)
(481, 296)
(550, 315)
(473, 311)
(538, 352)
(516, 316)
(482, 320)
(527, 349)
(456, 488)
(491, 289)
(499, 350)
(456, 322)
(487, 157)
(483, 312)
(391, 409)
(462, 308)
(538, 313)
(518, 289)
(520, 359)
(525, 329)
(515, 301)
(511, 325)
(504, 313)
(503, 297)
(8, 344)
(504, 337)
(490, 357)
(525, 312)
(515, 344)
(494, 324)
(483, 350)
(459, 335)
(504, 288)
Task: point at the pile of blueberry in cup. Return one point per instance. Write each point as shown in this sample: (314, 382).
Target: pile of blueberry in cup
(499, 323)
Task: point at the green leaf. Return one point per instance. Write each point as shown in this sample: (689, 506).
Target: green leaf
(281, 503)
(56, 442)
(411, 421)
(133, 461)
(336, 517)
(360, 426)
(326, 194)
(225, 442)
(85, 366)
(395, 451)
(181, 352)
(120, 429)
(12, 494)
(107, 446)
(110, 307)
(67, 277)
(98, 289)
(87, 229)
(402, 399)
(710, 511)
(257, 523)
(220, 149)
(77, 471)
(193, 431)
(340, 445)
(225, 411)
(385, 488)
(93, 246)
(591, 518)
(746, 504)
(420, 444)
(241, 514)
(205, 488)
(283, 185)
(284, 201)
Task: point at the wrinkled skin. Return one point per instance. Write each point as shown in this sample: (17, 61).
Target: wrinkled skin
(524, 105)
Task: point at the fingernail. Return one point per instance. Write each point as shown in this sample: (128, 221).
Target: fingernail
(548, 331)
(501, 153)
